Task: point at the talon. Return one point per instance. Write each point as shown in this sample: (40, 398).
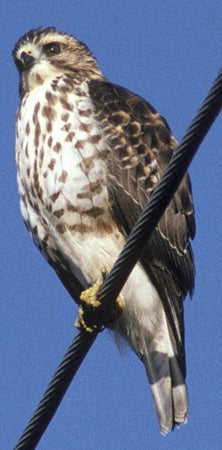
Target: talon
(89, 296)
(81, 324)
(92, 312)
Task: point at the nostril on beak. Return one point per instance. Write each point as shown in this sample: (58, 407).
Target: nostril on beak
(27, 60)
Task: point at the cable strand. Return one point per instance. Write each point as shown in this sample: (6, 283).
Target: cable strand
(56, 391)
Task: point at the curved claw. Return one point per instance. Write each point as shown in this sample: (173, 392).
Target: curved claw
(93, 314)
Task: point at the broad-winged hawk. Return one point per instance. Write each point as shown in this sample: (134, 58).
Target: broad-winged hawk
(89, 154)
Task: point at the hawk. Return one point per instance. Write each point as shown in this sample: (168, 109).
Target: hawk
(89, 154)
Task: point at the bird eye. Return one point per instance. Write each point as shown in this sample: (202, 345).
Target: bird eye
(52, 49)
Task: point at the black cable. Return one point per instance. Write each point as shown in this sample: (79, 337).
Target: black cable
(125, 262)
(56, 391)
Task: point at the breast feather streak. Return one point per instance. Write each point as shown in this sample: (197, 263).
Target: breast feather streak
(73, 143)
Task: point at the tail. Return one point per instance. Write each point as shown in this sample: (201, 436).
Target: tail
(165, 376)
(150, 338)
(168, 389)
(144, 325)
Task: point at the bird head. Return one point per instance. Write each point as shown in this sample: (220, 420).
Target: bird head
(44, 53)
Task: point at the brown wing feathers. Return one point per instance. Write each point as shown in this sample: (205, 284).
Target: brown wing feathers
(141, 145)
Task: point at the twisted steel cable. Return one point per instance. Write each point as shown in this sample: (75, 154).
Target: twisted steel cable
(56, 391)
(125, 263)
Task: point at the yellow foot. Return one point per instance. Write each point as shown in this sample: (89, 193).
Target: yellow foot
(93, 314)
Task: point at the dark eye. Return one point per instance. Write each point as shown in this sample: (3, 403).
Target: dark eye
(52, 49)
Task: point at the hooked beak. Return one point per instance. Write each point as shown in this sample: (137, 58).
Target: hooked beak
(25, 62)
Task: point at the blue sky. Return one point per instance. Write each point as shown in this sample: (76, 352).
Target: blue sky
(169, 52)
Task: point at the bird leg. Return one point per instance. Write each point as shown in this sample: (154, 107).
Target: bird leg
(94, 314)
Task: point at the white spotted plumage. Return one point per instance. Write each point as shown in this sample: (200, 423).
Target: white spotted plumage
(67, 145)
